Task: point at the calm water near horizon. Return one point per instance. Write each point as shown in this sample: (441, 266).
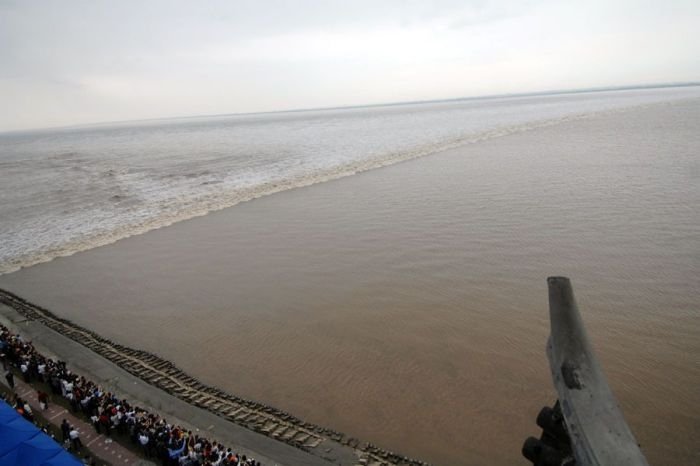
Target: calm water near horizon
(70, 190)
(405, 305)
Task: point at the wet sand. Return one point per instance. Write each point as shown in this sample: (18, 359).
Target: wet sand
(407, 305)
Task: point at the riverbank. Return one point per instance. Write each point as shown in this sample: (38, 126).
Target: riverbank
(407, 305)
(98, 448)
(139, 373)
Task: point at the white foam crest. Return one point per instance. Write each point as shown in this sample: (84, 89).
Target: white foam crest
(170, 208)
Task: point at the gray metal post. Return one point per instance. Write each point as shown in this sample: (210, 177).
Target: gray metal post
(598, 431)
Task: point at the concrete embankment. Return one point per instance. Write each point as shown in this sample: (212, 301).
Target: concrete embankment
(260, 431)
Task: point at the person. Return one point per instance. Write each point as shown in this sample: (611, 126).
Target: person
(96, 423)
(75, 439)
(143, 440)
(10, 378)
(41, 370)
(67, 387)
(24, 368)
(104, 422)
(168, 442)
(43, 398)
(28, 411)
(65, 429)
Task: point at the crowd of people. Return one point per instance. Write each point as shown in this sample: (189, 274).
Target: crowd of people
(71, 436)
(170, 444)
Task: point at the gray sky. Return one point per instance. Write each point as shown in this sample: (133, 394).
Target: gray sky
(71, 62)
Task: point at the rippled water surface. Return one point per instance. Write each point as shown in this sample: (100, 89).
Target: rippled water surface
(75, 189)
(407, 305)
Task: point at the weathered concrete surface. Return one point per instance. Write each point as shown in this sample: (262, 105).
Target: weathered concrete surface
(100, 445)
(85, 362)
(155, 372)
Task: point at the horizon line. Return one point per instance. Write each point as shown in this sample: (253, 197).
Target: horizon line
(343, 107)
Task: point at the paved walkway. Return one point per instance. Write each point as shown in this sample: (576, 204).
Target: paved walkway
(125, 385)
(101, 446)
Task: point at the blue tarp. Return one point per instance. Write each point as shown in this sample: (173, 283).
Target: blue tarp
(6, 412)
(23, 444)
(15, 431)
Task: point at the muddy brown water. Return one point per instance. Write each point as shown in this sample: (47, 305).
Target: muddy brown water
(407, 305)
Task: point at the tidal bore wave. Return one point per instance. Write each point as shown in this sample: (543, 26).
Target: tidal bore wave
(218, 195)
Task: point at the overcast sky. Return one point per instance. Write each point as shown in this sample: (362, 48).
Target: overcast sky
(72, 62)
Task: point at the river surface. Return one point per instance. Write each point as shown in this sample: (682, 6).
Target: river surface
(407, 305)
(73, 189)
